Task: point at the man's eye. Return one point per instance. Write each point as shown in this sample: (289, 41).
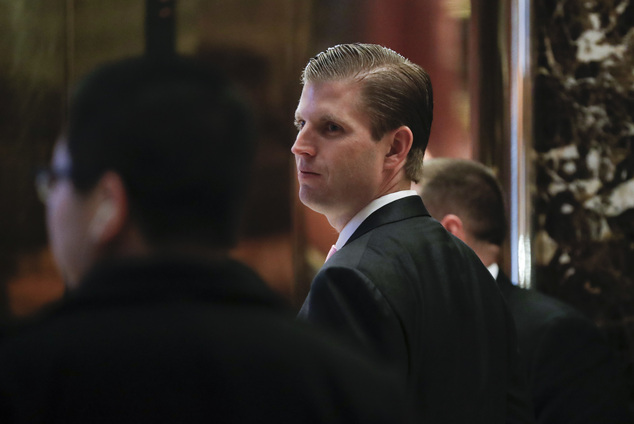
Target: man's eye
(333, 127)
(299, 124)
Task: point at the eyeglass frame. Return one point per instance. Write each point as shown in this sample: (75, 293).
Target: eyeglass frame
(46, 178)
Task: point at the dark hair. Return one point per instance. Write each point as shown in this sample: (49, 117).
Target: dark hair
(467, 189)
(177, 133)
(395, 91)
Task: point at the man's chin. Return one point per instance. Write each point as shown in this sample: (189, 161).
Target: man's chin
(71, 283)
(309, 200)
(72, 277)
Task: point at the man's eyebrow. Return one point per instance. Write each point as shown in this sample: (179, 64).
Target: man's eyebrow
(329, 117)
(323, 119)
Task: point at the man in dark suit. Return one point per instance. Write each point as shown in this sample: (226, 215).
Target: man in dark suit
(159, 325)
(574, 377)
(399, 284)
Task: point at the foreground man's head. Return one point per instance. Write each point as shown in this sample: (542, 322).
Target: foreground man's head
(154, 158)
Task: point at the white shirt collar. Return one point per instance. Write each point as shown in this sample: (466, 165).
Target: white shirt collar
(371, 207)
(494, 269)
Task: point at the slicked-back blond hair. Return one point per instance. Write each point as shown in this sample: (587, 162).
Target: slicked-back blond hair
(395, 91)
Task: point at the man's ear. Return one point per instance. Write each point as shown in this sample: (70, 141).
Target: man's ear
(111, 209)
(454, 225)
(401, 141)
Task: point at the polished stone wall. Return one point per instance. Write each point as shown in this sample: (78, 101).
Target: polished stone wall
(584, 161)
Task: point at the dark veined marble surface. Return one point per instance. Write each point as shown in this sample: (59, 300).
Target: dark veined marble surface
(584, 161)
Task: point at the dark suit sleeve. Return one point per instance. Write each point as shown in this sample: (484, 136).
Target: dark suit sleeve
(344, 300)
(575, 375)
(520, 408)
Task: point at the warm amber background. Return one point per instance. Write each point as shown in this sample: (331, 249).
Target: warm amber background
(45, 45)
(582, 105)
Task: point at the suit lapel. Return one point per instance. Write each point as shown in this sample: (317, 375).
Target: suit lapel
(407, 207)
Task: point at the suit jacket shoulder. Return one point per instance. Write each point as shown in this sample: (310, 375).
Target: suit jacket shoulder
(574, 375)
(421, 299)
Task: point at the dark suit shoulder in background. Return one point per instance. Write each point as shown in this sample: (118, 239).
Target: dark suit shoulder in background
(573, 373)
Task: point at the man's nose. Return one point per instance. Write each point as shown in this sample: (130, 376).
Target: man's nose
(303, 144)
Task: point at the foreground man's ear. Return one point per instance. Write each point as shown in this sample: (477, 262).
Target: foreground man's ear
(111, 210)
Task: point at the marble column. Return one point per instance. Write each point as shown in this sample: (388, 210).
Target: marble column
(583, 156)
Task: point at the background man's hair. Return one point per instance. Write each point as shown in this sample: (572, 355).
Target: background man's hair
(468, 189)
(395, 91)
(179, 136)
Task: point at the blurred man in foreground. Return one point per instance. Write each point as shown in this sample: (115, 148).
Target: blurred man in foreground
(574, 377)
(143, 199)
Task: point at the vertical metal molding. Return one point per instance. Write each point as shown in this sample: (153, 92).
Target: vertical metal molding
(520, 138)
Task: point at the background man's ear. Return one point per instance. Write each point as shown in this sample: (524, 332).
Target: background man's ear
(454, 225)
(111, 209)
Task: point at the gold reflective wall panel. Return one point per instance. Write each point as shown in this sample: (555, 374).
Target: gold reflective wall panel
(556, 126)
(46, 45)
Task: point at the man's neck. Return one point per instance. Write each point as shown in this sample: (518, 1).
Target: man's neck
(351, 226)
(487, 252)
(390, 187)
